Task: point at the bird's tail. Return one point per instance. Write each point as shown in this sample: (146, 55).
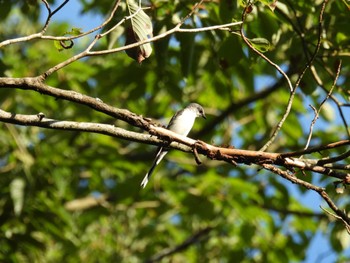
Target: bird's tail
(147, 176)
(160, 155)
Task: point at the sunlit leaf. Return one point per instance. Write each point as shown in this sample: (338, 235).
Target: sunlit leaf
(261, 44)
(74, 31)
(58, 45)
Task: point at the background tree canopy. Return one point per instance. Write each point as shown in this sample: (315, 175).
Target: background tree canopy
(75, 131)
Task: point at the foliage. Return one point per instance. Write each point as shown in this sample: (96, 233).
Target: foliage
(73, 196)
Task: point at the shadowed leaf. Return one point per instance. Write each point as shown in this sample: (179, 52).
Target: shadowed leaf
(141, 29)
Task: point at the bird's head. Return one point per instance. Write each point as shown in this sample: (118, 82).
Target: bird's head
(198, 109)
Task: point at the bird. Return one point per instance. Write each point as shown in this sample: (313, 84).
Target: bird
(181, 123)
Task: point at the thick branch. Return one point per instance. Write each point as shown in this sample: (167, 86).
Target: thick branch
(37, 85)
(233, 156)
(229, 155)
(40, 121)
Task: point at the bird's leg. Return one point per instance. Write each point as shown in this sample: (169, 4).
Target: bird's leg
(200, 145)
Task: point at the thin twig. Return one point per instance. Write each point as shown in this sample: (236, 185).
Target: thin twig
(338, 144)
(209, 28)
(291, 177)
(318, 45)
(153, 39)
(299, 30)
(51, 13)
(259, 53)
(321, 191)
(334, 159)
(294, 89)
(333, 98)
(347, 226)
(236, 105)
(40, 35)
(302, 164)
(88, 52)
(317, 112)
(121, 22)
(331, 165)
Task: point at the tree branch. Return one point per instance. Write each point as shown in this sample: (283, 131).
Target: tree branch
(292, 90)
(321, 191)
(41, 34)
(36, 84)
(40, 121)
(173, 140)
(229, 155)
(88, 52)
(291, 87)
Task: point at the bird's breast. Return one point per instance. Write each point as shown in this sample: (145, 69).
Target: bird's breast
(183, 123)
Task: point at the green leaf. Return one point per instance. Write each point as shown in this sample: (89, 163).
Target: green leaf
(341, 38)
(58, 46)
(229, 52)
(74, 32)
(62, 45)
(261, 44)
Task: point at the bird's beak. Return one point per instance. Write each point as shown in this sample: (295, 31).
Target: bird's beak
(203, 115)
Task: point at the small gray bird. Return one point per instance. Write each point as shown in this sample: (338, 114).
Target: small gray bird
(181, 123)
